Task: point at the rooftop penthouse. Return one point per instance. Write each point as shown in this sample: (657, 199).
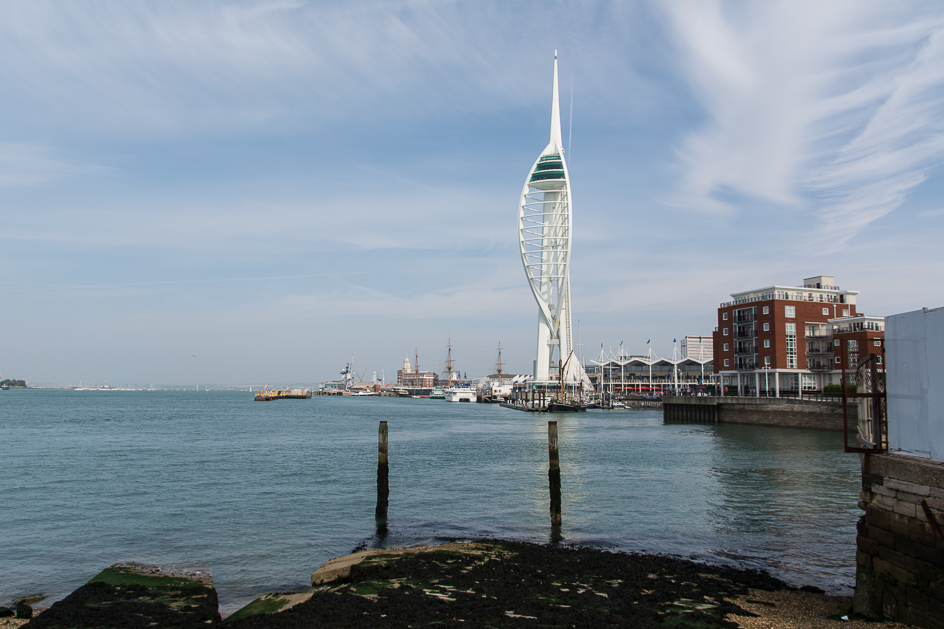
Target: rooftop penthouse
(857, 324)
(817, 289)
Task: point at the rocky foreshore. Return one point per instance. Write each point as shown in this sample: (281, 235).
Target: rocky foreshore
(475, 584)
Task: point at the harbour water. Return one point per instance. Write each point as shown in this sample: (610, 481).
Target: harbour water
(262, 494)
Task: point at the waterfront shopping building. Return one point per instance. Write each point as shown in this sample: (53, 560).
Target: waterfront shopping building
(647, 374)
(786, 340)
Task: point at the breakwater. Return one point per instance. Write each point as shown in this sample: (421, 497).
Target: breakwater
(778, 412)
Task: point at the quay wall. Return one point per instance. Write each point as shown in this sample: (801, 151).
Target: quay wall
(782, 412)
(900, 543)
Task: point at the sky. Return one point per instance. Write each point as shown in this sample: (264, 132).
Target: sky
(253, 192)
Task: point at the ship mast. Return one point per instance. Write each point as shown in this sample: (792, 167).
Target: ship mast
(449, 365)
(499, 361)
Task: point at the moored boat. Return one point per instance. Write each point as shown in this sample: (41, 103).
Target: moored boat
(267, 394)
(461, 394)
(565, 407)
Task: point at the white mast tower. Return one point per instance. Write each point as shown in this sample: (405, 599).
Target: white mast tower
(544, 236)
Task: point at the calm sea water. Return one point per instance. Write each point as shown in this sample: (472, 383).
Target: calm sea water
(262, 494)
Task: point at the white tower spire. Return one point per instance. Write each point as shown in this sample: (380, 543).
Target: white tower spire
(555, 140)
(544, 236)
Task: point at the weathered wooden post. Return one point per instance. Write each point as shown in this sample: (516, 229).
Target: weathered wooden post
(553, 473)
(383, 473)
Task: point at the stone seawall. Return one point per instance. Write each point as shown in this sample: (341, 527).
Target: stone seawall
(900, 546)
(783, 412)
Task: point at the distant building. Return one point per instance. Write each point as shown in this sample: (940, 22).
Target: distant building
(780, 339)
(407, 377)
(700, 348)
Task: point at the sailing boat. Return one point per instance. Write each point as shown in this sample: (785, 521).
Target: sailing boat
(560, 404)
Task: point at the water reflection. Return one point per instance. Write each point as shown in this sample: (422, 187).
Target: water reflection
(785, 499)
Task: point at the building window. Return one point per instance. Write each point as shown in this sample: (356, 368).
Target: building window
(879, 360)
(836, 342)
(724, 316)
(766, 309)
(789, 311)
(766, 361)
(725, 347)
(766, 327)
(724, 331)
(852, 352)
(727, 362)
(837, 360)
(766, 343)
(825, 311)
(845, 312)
(791, 331)
(877, 342)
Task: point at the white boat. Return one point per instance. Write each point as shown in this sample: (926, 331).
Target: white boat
(461, 394)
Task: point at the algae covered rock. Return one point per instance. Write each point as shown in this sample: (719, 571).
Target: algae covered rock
(136, 596)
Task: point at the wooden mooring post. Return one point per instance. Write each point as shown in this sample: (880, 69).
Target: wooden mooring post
(554, 474)
(383, 478)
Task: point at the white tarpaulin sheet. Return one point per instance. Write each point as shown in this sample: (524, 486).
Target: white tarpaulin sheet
(914, 357)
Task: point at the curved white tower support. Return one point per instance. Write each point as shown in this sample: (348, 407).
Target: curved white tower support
(544, 236)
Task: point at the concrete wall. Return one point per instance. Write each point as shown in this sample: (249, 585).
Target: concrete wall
(782, 412)
(900, 545)
(914, 354)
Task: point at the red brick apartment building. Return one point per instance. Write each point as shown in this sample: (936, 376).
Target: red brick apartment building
(787, 339)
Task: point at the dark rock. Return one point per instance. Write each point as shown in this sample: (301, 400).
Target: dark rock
(23, 610)
(5, 612)
(135, 597)
(514, 584)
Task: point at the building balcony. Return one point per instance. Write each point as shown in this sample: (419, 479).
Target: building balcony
(819, 366)
(745, 334)
(819, 352)
(746, 349)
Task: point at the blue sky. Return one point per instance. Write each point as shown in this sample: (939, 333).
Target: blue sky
(249, 192)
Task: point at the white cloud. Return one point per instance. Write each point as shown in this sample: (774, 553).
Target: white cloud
(835, 110)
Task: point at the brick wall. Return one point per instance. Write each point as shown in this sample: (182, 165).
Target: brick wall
(900, 545)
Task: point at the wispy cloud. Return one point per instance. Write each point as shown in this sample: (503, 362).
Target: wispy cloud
(147, 70)
(833, 110)
(31, 164)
